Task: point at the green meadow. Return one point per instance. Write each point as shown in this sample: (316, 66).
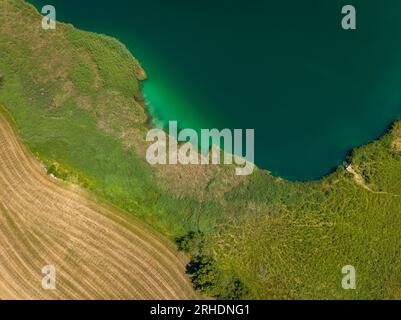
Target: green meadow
(77, 103)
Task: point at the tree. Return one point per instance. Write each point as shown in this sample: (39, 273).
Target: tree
(184, 242)
(191, 243)
(202, 273)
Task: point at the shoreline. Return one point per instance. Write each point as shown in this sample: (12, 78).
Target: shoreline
(142, 76)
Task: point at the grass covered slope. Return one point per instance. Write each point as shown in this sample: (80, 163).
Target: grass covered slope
(76, 100)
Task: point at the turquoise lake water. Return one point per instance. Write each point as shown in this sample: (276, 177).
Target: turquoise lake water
(311, 90)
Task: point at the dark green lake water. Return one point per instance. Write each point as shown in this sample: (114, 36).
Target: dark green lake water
(311, 90)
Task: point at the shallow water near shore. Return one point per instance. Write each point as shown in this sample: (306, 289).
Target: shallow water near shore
(311, 90)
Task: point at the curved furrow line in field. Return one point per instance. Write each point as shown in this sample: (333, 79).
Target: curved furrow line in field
(16, 262)
(7, 291)
(133, 264)
(37, 249)
(40, 249)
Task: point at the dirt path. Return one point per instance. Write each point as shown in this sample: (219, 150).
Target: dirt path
(98, 252)
(361, 181)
